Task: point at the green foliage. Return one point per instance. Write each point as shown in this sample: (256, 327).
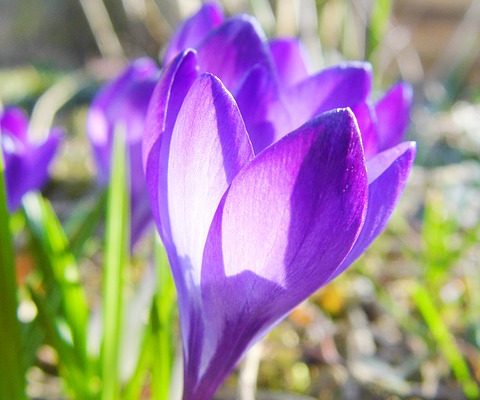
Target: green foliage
(162, 326)
(81, 226)
(438, 258)
(63, 314)
(438, 235)
(60, 270)
(12, 380)
(445, 340)
(379, 18)
(58, 294)
(116, 256)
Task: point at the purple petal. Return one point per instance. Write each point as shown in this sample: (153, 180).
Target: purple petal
(194, 29)
(141, 214)
(345, 85)
(387, 175)
(164, 106)
(393, 114)
(233, 49)
(287, 221)
(255, 94)
(14, 122)
(207, 148)
(289, 60)
(365, 116)
(122, 102)
(29, 170)
(140, 210)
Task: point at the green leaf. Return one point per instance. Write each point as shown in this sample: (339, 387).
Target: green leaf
(12, 381)
(116, 254)
(445, 340)
(158, 345)
(134, 387)
(70, 369)
(162, 326)
(437, 232)
(377, 26)
(59, 269)
(441, 247)
(81, 226)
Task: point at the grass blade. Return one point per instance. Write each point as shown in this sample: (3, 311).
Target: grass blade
(377, 25)
(115, 259)
(162, 326)
(82, 225)
(135, 385)
(445, 341)
(12, 382)
(70, 369)
(59, 268)
(157, 348)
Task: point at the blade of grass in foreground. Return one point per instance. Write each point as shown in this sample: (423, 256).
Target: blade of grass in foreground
(378, 23)
(162, 326)
(70, 369)
(12, 383)
(116, 251)
(134, 387)
(445, 341)
(81, 226)
(158, 345)
(59, 268)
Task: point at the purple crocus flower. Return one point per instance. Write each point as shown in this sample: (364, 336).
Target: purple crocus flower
(265, 182)
(121, 105)
(26, 163)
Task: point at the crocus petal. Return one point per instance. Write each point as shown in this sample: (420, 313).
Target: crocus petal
(165, 103)
(344, 85)
(141, 212)
(121, 106)
(254, 223)
(387, 175)
(367, 123)
(289, 60)
(233, 49)
(13, 121)
(208, 146)
(255, 94)
(194, 29)
(393, 114)
(121, 103)
(29, 171)
(287, 221)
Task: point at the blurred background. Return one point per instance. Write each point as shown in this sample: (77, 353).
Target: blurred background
(404, 321)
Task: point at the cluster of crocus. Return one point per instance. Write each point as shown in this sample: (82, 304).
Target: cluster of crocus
(26, 163)
(265, 182)
(121, 107)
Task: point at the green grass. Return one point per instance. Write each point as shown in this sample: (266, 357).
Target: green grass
(12, 379)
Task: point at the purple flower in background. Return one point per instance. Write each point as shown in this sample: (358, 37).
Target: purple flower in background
(265, 182)
(122, 105)
(26, 163)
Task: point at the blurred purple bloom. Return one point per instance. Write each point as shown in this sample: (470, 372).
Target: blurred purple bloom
(265, 182)
(194, 30)
(26, 163)
(122, 105)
